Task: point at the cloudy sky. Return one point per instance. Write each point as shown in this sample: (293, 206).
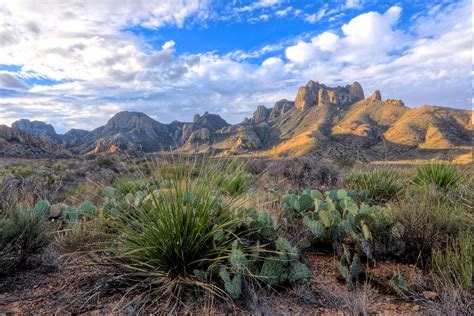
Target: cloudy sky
(76, 63)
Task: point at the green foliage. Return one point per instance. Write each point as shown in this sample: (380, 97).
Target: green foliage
(350, 268)
(88, 208)
(42, 208)
(425, 223)
(338, 217)
(127, 185)
(454, 264)
(400, 286)
(233, 286)
(108, 192)
(177, 231)
(23, 234)
(261, 223)
(379, 184)
(273, 272)
(299, 273)
(301, 204)
(444, 176)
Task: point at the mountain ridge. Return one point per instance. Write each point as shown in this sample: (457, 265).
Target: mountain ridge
(330, 117)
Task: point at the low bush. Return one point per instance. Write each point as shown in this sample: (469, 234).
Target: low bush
(306, 172)
(381, 184)
(426, 221)
(454, 263)
(452, 276)
(23, 233)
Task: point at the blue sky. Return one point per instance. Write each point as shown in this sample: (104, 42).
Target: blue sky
(76, 63)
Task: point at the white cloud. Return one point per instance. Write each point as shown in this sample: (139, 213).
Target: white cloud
(258, 5)
(284, 12)
(168, 44)
(315, 17)
(104, 69)
(353, 4)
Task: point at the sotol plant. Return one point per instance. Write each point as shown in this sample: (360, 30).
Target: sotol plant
(191, 234)
(380, 184)
(444, 176)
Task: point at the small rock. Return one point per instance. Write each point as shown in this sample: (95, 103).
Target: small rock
(430, 294)
(416, 308)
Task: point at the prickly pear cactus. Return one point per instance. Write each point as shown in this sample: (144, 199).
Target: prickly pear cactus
(42, 208)
(286, 251)
(273, 272)
(262, 224)
(233, 286)
(237, 259)
(88, 208)
(108, 192)
(299, 273)
(350, 268)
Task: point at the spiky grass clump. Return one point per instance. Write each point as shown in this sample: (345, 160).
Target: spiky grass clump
(381, 184)
(177, 230)
(444, 176)
(23, 233)
(454, 264)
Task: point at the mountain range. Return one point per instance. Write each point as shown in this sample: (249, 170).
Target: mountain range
(334, 122)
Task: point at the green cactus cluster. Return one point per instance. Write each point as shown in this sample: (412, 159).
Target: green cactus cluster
(261, 256)
(261, 224)
(335, 216)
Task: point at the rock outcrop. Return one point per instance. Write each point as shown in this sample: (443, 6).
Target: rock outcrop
(261, 114)
(376, 96)
(45, 131)
(15, 143)
(316, 94)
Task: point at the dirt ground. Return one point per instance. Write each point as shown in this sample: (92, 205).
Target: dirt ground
(72, 286)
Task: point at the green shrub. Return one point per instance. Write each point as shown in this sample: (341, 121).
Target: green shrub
(381, 184)
(454, 263)
(442, 175)
(23, 234)
(174, 232)
(426, 222)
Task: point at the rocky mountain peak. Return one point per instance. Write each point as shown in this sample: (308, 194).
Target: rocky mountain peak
(316, 94)
(376, 96)
(42, 129)
(213, 122)
(261, 114)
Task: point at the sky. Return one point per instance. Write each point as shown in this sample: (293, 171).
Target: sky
(76, 63)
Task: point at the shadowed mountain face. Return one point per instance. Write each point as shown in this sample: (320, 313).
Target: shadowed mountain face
(16, 143)
(335, 121)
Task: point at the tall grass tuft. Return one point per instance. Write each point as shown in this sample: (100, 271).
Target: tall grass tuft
(442, 175)
(455, 262)
(190, 225)
(381, 184)
(23, 233)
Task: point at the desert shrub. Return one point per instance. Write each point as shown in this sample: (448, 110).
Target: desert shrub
(105, 162)
(442, 175)
(452, 276)
(306, 172)
(381, 184)
(454, 263)
(79, 237)
(23, 233)
(129, 185)
(194, 235)
(426, 221)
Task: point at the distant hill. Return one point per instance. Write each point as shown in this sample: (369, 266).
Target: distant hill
(336, 122)
(15, 143)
